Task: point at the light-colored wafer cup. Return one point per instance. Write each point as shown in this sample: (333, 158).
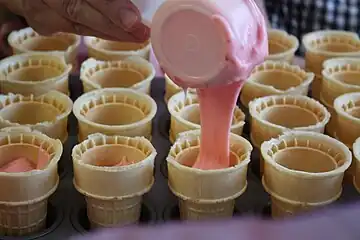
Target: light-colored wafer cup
(27, 40)
(275, 78)
(326, 44)
(47, 113)
(34, 73)
(24, 196)
(185, 115)
(303, 171)
(271, 116)
(105, 50)
(133, 72)
(332, 124)
(356, 163)
(172, 88)
(347, 109)
(206, 194)
(115, 111)
(340, 76)
(119, 203)
(282, 46)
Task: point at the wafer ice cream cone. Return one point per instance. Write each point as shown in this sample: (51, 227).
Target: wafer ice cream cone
(275, 78)
(47, 113)
(205, 194)
(271, 116)
(115, 111)
(356, 163)
(326, 44)
(185, 115)
(303, 171)
(34, 73)
(27, 40)
(347, 109)
(171, 88)
(105, 50)
(24, 195)
(133, 72)
(282, 46)
(95, 161)
(340, 76)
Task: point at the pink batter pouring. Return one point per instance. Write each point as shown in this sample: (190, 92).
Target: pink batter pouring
(213, 46)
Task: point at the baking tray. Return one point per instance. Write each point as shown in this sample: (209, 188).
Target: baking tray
(67, 211)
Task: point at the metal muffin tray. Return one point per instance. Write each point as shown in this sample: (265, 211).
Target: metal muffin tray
(67, 211)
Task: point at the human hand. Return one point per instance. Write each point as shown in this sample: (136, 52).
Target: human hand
(117, 20)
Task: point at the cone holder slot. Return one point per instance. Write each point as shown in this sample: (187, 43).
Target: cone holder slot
(34, 73)
(273, 115)
(171, 89)
(275, 78)
(105, 50)
(133, 72)
(299, 161)
(185, 115)
(80, 220)
(54, 217)
(340, 76)
(282, 46)
(27, 40)
(103, 111)
(47, 113)
(172, 213)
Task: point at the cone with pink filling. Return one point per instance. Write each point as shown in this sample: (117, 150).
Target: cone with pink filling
(28, 161)
(303, 171)
(185, 115)
(125, 166)
(207, 194)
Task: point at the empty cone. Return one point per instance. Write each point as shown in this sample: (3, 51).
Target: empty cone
(105, 50)
(47, 113)
(119, 203)
(347, 109)
(34, 73)
(326, 44)
(331, 126)
(275, 78)
(282, 46)
(115, 111)
(24, 212)
(185, 115)
(303, 171)
(356, 152)
(273, 115)
(340, 76)
(133, 72)
(206, 194)
(171, 88)
(27, 40)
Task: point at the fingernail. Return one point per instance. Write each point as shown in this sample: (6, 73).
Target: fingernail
(128, 18)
